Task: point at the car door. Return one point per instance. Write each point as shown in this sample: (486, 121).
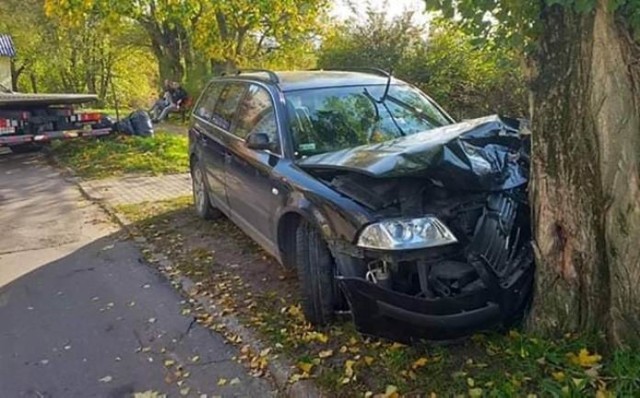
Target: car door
(252, 188)
(211, 150)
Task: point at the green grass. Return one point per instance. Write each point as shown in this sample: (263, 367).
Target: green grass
(117, 155)
(515, 364)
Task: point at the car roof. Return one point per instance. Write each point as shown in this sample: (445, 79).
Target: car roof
(301, 80)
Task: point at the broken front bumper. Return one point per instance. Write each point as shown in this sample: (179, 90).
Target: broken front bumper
(397, 316)
(449, 292)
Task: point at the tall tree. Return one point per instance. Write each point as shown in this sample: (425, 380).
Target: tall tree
(585, 189)
(226, 32)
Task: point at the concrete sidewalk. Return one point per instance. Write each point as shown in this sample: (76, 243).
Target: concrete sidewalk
(137, 189)
(81, 312)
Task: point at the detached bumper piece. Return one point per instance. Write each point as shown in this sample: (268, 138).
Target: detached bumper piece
(484, 284)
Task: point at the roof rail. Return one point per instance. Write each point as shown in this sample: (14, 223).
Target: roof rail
(272, 76)
(377, 71)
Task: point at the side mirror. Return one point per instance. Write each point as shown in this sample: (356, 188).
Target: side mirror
(258, 141)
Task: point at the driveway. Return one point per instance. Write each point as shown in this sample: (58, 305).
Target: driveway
(82, 315)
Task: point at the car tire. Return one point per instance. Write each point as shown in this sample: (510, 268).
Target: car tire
(25, 148)
(316, 277)
(201, 200)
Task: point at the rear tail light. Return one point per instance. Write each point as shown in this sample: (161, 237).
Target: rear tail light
(4, 123)
(85, 117)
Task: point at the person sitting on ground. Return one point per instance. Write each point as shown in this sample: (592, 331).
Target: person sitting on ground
(178, 97)
(163, 101)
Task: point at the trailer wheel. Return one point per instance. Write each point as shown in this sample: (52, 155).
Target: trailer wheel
(25, 148)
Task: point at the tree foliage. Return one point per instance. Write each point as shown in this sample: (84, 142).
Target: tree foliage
(467, 78)
(197, 37)
(90, 56)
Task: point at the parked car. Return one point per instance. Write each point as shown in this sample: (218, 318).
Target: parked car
(388, 209)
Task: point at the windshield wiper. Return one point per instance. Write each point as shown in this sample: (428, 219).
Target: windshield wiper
(417, 112)
(381, 101)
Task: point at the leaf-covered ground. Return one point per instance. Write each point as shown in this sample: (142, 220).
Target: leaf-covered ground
(164, 153)
(229, 268)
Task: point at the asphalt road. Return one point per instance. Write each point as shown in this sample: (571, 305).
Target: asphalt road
(82, 315)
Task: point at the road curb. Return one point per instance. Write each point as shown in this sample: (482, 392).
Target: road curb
(279, 369)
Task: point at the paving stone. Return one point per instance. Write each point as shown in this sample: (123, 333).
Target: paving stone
(138, 189)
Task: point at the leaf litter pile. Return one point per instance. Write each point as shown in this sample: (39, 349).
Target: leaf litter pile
(242, 280)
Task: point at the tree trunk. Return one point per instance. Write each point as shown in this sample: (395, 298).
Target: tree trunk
(585, 186)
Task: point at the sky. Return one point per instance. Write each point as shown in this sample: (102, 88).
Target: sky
(393, 8)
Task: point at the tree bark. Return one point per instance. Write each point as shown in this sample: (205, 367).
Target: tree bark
(585, 186)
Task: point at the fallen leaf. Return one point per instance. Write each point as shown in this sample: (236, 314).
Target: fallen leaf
(222, 382)
(475, 392)
(195, 358)
(391, 391)
(368, 360)
(305, 367)
(368, 394)
(169, 363)
(108, 247)
(325, 354)
(558, 376)
(234, 381)
(584, 358)
(152, 320)
(348, 367)
(470, 382)
(419, 363)
(148, 394)
(105, 379)
(184, 391)
(265, 352)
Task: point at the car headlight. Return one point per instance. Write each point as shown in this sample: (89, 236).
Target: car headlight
(403, 233)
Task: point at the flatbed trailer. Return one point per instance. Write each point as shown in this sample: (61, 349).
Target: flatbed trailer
(29, 120)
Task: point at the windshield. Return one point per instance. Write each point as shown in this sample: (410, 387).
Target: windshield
(330, 119)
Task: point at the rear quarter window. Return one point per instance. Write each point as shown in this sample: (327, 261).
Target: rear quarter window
(227, 105)
(210, 95)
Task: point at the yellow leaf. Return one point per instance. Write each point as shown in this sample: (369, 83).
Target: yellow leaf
(420, 362)
(185, 391)
(470, 382)
(325, 354)
(305, 367)
(222, 382)
(368, 360)
(169, 363)
(396, 346)
(348, 367)
(584, 359)
(368, 394)
(475, 392)
(558, 376)
(391, 391)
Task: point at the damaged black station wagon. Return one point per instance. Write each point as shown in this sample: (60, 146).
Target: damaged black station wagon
(388, 209)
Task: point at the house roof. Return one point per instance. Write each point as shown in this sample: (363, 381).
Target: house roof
(7, 48)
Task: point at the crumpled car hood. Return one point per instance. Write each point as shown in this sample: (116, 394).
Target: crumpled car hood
(489, 154)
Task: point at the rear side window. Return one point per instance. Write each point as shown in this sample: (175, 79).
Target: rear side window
(204, 109)
(227, 104)
(256, 115)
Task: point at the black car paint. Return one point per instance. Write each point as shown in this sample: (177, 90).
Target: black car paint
(227, 160)
(263, 188)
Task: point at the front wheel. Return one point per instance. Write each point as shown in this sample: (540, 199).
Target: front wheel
(200, 194)
(316, 275)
